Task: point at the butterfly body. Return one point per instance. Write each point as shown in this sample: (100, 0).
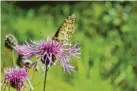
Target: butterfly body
(65, 31)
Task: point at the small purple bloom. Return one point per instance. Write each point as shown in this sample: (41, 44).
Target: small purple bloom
(15, 77)
(50, 50)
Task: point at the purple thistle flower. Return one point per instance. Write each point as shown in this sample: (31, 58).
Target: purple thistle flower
(25, 51)
(50, 50)
(15, 77)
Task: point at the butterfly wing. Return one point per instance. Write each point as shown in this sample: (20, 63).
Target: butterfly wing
(65, 31)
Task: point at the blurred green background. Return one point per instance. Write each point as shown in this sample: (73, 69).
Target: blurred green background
(106, 32)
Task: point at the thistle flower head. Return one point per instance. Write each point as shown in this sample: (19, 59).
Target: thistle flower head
(25, 51)
(15, 77)
(50, 50)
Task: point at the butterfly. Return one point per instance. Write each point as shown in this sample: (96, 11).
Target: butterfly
(65, 31)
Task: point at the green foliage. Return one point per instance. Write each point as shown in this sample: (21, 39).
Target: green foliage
(106, 32)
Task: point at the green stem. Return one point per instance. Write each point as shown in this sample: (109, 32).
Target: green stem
(29, 83)
(46, 70)
(13, 59)
(33, 72)
(5, 87)
(9, 88)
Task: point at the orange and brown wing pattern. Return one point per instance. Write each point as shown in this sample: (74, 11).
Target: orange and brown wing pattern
(66, 30)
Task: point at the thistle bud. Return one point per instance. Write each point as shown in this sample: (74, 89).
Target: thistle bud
(10, 41)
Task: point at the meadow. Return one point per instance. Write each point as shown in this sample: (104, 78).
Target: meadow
(106, 32)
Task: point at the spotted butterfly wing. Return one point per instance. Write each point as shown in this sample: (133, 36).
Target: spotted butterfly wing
(65, 31)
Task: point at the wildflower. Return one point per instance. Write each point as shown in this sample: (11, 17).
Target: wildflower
(15, 77)
(25, 51)
(50, 50)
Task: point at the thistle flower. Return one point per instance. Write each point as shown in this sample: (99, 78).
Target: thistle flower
(50, 50)
(15, 77)
(26, 51)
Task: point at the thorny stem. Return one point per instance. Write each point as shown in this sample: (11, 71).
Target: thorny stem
(46, 70)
